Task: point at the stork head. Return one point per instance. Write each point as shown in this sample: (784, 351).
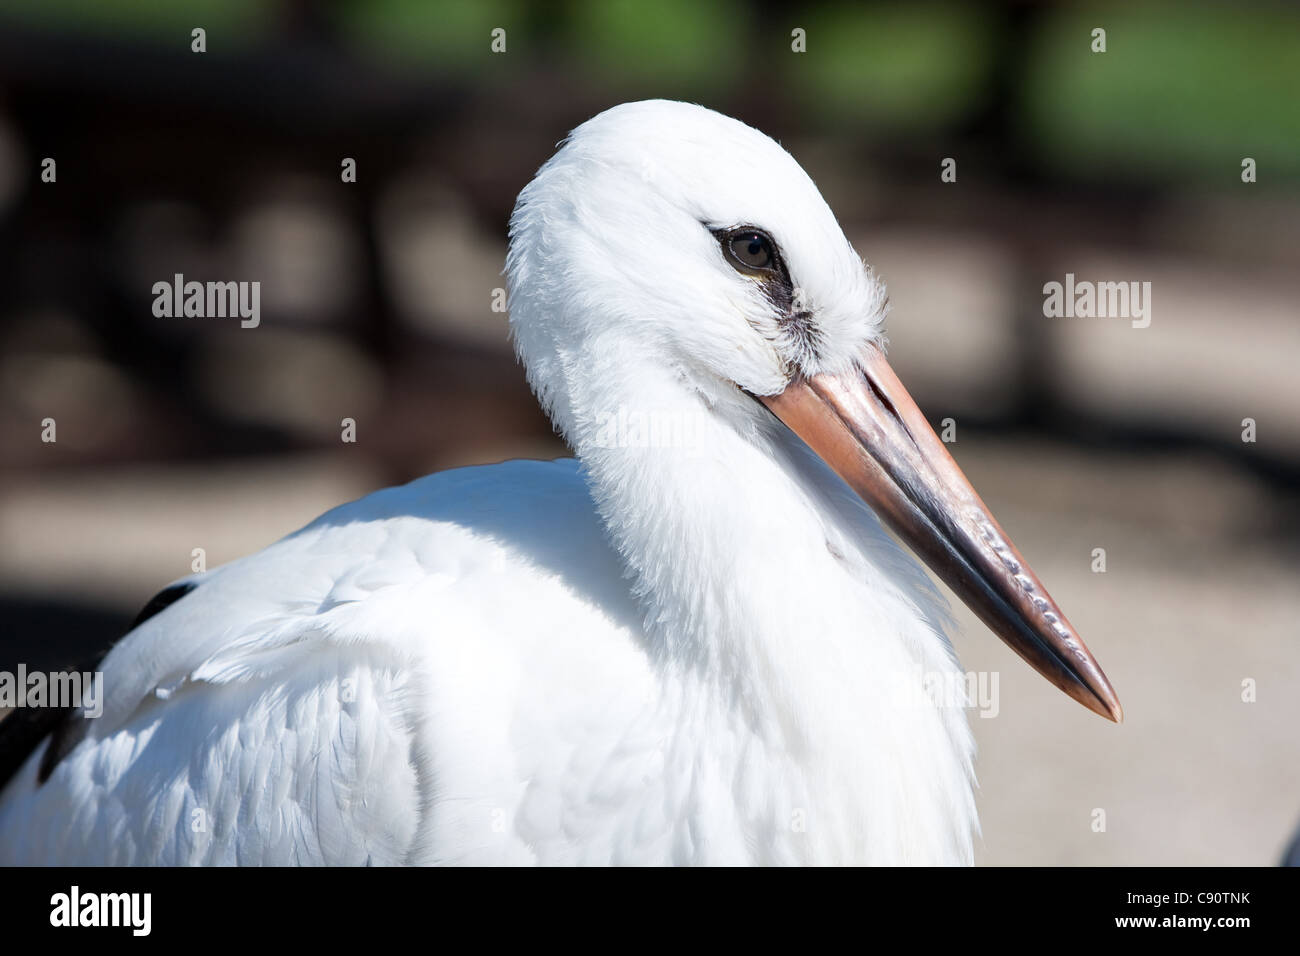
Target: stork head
(666, 235)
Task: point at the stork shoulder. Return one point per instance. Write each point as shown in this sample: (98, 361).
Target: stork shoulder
(396, 567)
(319, 667)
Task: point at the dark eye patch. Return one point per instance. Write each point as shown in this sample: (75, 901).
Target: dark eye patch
(753, 252)
(751, 249)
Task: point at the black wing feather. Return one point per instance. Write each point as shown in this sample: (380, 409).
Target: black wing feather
(24, 729)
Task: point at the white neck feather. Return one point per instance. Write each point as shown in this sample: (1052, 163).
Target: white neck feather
(777, 604)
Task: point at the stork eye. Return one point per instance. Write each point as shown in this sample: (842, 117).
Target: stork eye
(751, 250)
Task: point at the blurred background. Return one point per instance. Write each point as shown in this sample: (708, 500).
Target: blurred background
(376, 304)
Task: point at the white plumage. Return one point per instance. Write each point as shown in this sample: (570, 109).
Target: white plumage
(676, 652)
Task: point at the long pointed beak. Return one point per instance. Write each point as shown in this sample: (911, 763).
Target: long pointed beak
(866, 427)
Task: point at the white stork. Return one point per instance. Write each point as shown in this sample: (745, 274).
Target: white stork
(685, 646)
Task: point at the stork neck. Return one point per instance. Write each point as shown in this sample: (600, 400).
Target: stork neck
(750, 558)
(778, 609)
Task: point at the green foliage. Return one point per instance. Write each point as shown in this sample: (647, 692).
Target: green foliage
(445, 35)
(678, 48)
(238, 20)
(898, 66)
(1183, 89)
